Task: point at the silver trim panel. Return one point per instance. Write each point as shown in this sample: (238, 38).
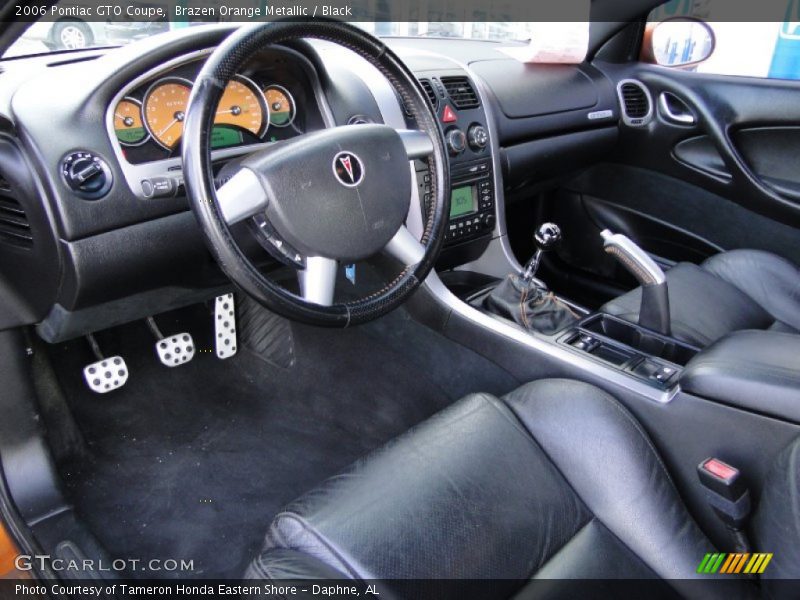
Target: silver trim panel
(670, 115)
(498, 255)
(638, 121)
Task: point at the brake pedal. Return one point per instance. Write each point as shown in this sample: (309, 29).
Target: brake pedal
(175, 350)
(225, 326)
(107, 374)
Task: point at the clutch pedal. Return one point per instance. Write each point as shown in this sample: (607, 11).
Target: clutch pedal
(225, 326)
(107, 374)
(175, 350)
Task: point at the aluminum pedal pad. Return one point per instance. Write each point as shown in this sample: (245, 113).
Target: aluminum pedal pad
(106, 375)
(225, 326)
(175, 350)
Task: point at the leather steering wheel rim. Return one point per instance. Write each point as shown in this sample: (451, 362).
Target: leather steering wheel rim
(219, 69)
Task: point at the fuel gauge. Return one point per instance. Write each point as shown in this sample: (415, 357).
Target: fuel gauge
(128, 123)
(281, 105)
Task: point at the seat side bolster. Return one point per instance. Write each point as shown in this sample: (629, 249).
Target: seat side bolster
(777, 521)
(282, 564)
(611, 463)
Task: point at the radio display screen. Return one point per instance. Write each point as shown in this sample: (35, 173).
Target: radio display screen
(463, 200)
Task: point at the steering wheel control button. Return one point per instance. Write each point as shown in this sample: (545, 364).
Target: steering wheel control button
(478, 137)
(225, 326)
(449, 115)
(159, 187)
(106, 375)
(348, 168)
(87, 175)
(456, 141)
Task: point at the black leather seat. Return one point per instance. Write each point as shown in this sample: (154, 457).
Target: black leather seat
(740, 289)
(554, 482)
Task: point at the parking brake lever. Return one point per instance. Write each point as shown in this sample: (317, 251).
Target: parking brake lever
(654, 310)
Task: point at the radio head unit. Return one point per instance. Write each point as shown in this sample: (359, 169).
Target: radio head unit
(471, 199)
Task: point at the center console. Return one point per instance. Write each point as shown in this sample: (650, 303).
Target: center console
(641, 353)
(471, 199)
(463, 120)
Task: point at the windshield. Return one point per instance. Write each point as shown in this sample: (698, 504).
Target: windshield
(74, 29)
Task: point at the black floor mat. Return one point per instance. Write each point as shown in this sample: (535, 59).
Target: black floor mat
(192, 463)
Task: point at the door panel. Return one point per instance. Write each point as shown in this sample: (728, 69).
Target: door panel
(716, 168)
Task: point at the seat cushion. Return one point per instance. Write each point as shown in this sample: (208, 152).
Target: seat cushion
(740, 289)
(534, 485)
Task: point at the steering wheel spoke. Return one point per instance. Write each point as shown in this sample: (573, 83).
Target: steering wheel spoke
(318, 280)
(405, 247)
(333, 195)
(417, 143)
(241, 197)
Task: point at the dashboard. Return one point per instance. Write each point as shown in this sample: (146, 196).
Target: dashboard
(133, 248)
(269, 102)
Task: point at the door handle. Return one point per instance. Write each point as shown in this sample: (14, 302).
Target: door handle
(674, 110)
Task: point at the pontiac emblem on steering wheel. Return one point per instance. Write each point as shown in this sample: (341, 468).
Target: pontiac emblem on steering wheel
(348, 168)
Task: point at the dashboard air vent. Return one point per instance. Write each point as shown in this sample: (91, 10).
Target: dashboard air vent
(637, 105)
(461, 92)
(14, 226)
(429, 91)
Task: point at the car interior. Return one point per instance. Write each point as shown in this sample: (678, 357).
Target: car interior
(291, 301)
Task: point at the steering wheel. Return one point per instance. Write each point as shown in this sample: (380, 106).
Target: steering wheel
(333, 196)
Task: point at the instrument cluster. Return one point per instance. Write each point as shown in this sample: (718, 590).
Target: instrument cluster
(263, 105)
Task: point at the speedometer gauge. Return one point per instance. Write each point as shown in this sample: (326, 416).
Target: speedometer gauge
(128, 125)
(281, 105)
(165, 110)
(241, 106)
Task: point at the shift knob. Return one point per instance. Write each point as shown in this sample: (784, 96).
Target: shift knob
(547, 237)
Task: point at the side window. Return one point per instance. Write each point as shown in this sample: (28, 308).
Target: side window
(683, 34)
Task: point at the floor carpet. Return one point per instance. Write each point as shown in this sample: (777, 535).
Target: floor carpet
(192, 462)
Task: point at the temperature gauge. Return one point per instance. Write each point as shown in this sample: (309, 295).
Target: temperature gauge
(128, 125)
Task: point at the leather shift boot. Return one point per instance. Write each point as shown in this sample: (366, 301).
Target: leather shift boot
(533, 307)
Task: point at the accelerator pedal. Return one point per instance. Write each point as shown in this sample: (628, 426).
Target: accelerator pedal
(107, 374)
(175, 350)
(225, 326)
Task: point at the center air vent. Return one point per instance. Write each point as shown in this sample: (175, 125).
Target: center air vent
(426, 85)
(461, 92)
(637, 105)
(14, 226)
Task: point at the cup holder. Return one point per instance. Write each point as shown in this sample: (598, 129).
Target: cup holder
(643, 340)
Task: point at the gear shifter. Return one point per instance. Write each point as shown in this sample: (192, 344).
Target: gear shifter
(525, 299)
(654, 310)
(546, 238)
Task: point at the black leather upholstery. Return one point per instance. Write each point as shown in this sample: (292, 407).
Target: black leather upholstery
(740, 289)
(754, 370)
(777, 524)
(556, 481)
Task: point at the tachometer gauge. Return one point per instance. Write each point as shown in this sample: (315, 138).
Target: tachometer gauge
(241, 106)
(281, 105)
(165, 110)
(128, 123)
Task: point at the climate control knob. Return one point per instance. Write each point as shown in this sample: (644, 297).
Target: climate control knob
(86, 174)
(478, 137)
(456, 141)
